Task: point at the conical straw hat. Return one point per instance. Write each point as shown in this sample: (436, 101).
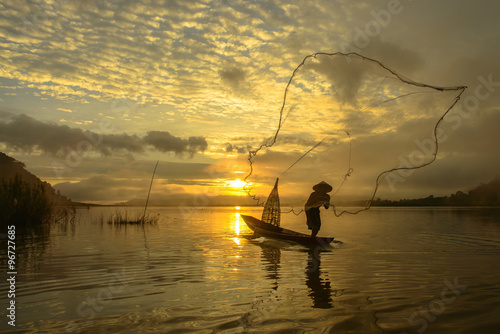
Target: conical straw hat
(323, 186)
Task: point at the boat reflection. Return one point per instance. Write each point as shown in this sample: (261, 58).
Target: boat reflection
(272, 257)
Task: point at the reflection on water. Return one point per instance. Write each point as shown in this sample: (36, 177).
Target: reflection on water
(318, 282)
(321, 291)
(237, 222)
(207, 273)
(271, 256)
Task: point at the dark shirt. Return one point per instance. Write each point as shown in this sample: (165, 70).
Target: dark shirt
(317, 199)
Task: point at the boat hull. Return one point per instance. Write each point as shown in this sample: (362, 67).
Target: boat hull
(268, 230)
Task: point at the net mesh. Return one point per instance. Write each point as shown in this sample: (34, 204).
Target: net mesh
(272, 211)
(350, 120)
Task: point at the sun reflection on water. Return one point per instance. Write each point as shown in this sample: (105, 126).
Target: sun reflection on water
(237, 221)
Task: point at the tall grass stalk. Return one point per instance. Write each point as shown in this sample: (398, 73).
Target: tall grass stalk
(149, 191)
(124, 218)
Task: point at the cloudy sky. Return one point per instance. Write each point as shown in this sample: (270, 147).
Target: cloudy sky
(93, 93)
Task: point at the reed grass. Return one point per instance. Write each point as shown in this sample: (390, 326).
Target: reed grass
(124, 218)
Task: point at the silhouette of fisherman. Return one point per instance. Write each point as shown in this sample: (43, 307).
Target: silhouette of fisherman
(317, 199)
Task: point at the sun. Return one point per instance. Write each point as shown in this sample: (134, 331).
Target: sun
(235, 183)
(234, 187)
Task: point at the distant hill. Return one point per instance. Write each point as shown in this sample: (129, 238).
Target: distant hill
(10, 167)
(483, 195)
(192, 200)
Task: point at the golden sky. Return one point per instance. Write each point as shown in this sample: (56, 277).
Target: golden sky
(93, 93)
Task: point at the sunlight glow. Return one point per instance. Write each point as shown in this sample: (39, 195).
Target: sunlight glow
(233, 187)
(235, 183)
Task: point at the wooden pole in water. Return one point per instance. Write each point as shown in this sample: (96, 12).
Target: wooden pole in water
(147, 199)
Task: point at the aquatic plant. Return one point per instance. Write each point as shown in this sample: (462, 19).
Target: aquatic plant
(123, 218)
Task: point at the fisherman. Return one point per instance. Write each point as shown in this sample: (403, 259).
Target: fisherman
(317, 199)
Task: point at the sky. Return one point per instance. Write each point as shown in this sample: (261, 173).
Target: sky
(93, 93)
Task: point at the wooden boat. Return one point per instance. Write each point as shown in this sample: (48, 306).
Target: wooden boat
(268, 230)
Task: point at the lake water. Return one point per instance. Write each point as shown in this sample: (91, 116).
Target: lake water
(404, 270)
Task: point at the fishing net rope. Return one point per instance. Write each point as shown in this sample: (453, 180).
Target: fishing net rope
(333, 99)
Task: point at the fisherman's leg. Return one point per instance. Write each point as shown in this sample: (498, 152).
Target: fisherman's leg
(315, 221)
(314, 231)
(308, 220)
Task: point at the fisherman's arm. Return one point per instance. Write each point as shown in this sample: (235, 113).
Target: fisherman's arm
(327, 202)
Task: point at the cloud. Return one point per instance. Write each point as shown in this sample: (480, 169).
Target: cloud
(163, 141)
(232, 76)
(117, 180)
(400, 58)
(178, 53)
(141, 50)
(102, 188)
(27, 134)
(232, 148)
(346, 79)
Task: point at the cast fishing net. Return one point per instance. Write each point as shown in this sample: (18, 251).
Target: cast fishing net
(353, 122)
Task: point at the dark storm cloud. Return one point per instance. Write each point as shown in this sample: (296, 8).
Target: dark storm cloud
(24, 133)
